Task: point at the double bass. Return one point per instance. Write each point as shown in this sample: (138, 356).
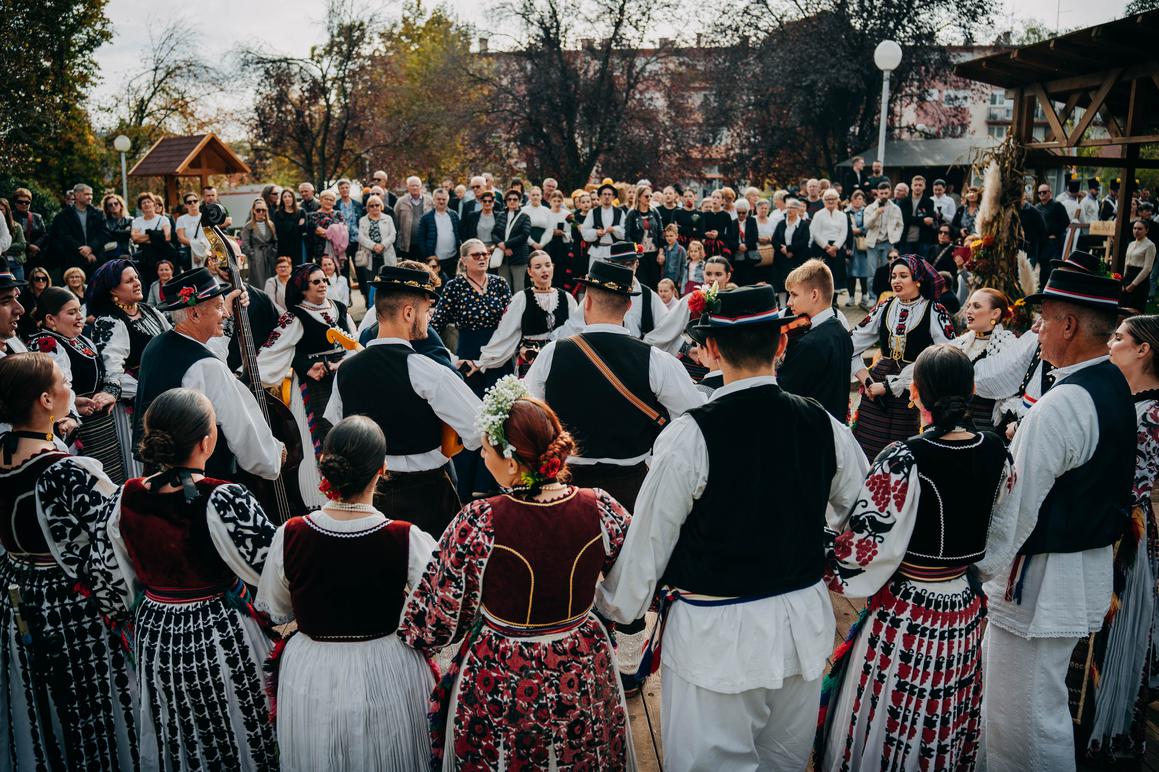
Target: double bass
(283, 495)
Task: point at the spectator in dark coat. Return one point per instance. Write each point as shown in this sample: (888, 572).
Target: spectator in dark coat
(439, 233)
(816, 362)
(32, 223)
(1034, 239)
(1055, 223)
(77, 236)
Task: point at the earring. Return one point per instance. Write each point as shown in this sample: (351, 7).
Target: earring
(911, 404)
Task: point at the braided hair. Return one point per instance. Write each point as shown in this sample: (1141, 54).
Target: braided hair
(944, 377)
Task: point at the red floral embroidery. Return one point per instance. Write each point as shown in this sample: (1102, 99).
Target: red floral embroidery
(866, 549)
(843, 545)
(46, 345)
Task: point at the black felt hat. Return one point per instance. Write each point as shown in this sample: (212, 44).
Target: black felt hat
(609, 186)
(391, 277)
(186, 290)
(624, 251)
(1078, 261)
(739, 309)
(1081, 288)
(8, 279)
(610, 277)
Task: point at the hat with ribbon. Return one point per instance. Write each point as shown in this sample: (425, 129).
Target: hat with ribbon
(610, 276)
(186, 290)
(738, 309)
(392, 277)
(1081, 288)
(625, 251)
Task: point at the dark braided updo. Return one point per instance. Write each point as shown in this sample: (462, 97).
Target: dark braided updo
(944, 377)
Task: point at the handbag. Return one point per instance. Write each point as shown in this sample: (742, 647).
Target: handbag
(496, 258)
(767, 255)
(860, 244)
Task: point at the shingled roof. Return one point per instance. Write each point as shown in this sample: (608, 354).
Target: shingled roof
(191, 155)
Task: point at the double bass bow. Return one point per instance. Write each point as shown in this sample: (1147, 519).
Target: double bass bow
(283, 495)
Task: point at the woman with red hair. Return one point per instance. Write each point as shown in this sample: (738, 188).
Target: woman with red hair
(535, 680)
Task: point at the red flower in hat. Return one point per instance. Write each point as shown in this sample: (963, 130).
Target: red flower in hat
(186, 295)
(696, 304)
(639, 249)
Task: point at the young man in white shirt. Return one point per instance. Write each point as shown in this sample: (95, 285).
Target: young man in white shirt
(604, 224)
(943, 203)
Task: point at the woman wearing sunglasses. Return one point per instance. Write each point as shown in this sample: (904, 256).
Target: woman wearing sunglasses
(259, 243)
(38, 282)
(298, 349)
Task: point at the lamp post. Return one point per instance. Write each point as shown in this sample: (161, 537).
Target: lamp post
(887, 56)
(122, 144)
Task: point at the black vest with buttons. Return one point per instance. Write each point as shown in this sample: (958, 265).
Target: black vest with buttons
(960, 482)
(536, 321)
(313, 338)
(376, 383)
(757, 529)
(1089, 506)
(917, 340)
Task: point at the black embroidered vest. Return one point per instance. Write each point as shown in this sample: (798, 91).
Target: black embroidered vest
(376, 383)
(917, 340)
(536, 321)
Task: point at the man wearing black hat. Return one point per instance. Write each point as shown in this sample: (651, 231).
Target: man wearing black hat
(1049, 553)
(1071, 199)
(10, 311)
(647, 312)
(732, 526)
(412, 399)
(604, 224)
(1109, 207)
(180, 357)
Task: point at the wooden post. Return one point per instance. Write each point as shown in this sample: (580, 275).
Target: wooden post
(172, 195)
(1127, 186)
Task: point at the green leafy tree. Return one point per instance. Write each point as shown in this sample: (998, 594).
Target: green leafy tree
(45, 132)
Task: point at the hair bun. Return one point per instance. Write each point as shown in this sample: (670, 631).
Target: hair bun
(949, 411)
(158, 447)
(340, 473)
(555, 456)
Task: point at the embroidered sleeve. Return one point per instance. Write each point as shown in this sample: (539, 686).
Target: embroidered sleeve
(273, 595)
(240, 531)
(112, 341)
(446, 602)
(614, 520)
(1147, 453)
(941, 324)
(865, 334)
(862, 557)
(277, 353)
(73, 499)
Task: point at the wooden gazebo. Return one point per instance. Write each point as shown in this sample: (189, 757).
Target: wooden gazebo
(199, 155)
(1110, 71)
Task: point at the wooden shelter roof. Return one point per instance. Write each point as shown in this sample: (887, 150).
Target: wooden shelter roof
(195, 155)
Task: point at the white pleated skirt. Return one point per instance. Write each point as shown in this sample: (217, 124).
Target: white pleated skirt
(353, 706)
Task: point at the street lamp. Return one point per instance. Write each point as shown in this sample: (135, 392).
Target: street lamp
(122, 144)
(887, 56)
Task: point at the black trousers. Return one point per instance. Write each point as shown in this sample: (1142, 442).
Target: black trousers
(427, 499)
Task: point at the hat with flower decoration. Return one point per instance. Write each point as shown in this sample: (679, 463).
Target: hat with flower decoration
(186, 290)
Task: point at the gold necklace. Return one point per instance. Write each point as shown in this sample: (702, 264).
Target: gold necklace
(129, 308)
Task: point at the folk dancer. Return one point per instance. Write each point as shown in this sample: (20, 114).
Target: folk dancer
(413, 399)
(1074, 456)
(181, 358)
(647, 312)
(300, 349)
(604, 225)
(748, 623)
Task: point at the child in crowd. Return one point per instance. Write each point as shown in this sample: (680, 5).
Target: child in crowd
(695, 274)
(675, 256)
(666, 289)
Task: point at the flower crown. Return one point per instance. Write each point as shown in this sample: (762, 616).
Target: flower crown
(497, 403)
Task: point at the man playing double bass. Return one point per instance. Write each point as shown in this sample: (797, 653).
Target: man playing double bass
(181, 358)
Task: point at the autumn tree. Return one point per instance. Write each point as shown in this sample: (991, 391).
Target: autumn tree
(814, 99)
(422, 96)
(312, 112)
(581, 75)
(45, 131)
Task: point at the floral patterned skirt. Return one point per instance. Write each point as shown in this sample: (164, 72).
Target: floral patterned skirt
(908, 691)
(516, 703)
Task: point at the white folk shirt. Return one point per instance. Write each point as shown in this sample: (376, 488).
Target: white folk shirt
(999, 376)
(946, 206)
(1064, 595)
(245, 429)
(667, 379)
(1089, 210)
(733, 648)
(828, 226)
(602, 246)
(449, 397)
(507, 336)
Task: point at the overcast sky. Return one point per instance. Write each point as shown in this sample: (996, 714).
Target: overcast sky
(292, 26)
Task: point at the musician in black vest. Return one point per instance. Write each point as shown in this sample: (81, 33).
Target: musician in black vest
(612, 392)
(733, 527)
(1051, 566)
(412, 399)
(180, 358)
(646, 311)
(816, 361)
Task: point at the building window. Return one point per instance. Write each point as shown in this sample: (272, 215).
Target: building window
(996, 132)
(1000, 108)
